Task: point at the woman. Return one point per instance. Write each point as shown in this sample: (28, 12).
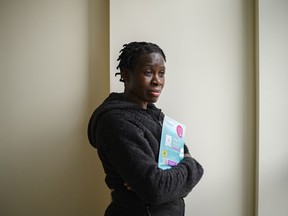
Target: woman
(126, 130)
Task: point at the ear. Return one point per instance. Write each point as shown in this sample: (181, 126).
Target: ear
(125, 75)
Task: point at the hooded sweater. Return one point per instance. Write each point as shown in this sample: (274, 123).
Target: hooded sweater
(127, 139)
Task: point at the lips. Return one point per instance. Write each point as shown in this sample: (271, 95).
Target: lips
(155, 92)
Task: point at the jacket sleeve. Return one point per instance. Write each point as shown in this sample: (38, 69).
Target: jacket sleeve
(133, 159)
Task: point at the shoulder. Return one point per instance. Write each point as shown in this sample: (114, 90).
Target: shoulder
(119, 120)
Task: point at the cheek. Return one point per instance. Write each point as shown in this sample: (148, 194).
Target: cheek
(140, 83)
(163, 82)
(145, 81)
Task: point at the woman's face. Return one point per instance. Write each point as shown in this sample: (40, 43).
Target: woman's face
(145, 82)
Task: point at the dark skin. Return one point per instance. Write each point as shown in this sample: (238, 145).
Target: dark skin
(144, 83)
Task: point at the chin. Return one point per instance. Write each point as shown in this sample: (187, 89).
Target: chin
(154, 100)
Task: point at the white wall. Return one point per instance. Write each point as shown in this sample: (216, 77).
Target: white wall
(46, 86)
(273, 106)
(209, 87)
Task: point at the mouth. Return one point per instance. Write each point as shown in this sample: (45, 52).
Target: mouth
(155, 92)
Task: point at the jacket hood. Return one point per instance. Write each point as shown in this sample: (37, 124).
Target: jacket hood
(115, 101)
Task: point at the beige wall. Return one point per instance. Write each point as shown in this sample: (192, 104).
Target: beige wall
(209, 86)
(273, 106)
(50, 81)
(54, 63)
(99, 89)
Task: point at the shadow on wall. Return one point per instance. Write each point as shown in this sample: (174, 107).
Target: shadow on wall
(47, 95)
(99, 89)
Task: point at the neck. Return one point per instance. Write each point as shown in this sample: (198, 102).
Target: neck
(135, 100)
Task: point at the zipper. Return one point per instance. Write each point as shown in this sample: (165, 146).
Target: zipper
(147, 210)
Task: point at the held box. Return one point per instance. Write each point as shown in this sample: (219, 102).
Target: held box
(172, 143)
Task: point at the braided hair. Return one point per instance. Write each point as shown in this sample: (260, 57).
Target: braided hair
(131, 52)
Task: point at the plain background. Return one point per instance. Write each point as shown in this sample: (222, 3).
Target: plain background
(54, 71)
(209, 87)
(226, 81)
(273, 106)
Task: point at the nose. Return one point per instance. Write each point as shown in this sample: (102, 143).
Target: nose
(156, 80)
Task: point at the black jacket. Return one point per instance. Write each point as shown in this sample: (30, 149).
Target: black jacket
(127, 138)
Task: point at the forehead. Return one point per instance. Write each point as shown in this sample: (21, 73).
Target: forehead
(150, 59)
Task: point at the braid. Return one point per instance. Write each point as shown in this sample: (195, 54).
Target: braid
(131, 52)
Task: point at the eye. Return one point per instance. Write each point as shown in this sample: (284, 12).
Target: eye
(162, 73)
(148, 72)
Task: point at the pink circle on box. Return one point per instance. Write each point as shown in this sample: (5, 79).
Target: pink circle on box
(179, 130)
